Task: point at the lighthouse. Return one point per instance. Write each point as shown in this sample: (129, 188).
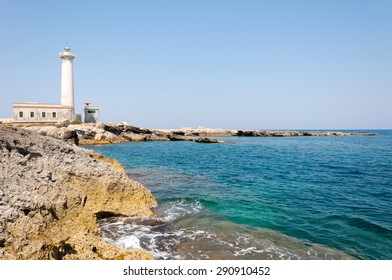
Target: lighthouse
(67, 87)
(34, 112)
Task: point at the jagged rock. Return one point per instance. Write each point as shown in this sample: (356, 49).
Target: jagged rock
(51, 195)
(111, 136)
(173, 137)
(246, 133)
(175, 132)
(130, 136)
(132, 129)
(88, 135)
(206, 140)
(146, 131)
(157, 137)
(109, 133)
(115, 129)
(63, 123)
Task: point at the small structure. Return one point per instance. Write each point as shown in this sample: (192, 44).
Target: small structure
(47, 113)
(91, 113)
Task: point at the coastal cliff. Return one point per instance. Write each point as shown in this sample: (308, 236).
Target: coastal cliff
(51, 195)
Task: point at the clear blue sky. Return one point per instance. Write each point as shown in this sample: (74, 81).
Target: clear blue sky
(230, 64)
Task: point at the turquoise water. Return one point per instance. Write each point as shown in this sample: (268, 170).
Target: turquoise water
(261, 198)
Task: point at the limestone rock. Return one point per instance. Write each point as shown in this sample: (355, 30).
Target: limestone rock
(206, 140)
(157, 137)
(52, 194)
(63, 123)
(109, 133)
(130, 136)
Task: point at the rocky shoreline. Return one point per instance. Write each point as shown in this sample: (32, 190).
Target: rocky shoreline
(51, 195)
(52, 192)
(112, 133)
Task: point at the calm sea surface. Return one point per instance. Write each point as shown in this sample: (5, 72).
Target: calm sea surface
(261, 198)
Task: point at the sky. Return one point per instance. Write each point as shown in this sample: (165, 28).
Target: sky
(244, 64)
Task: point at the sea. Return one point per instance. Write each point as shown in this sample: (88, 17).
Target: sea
(260, 198)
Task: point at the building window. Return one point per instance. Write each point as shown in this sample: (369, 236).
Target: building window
(44, 114)
(31, 114)
(20, 114)
(91, 111)
(54, 115)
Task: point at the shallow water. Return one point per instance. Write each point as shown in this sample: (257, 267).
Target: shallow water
(187, 231)
(261, 198)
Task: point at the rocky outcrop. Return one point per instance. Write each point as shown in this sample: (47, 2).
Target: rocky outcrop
(268, 133)
(206, 140)
(51, 195)
(112, 133)
(210, 132)
(108, 133)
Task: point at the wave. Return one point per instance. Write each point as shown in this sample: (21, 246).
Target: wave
(185, 229)
(361, 223)
(371, 226)
(174, 210)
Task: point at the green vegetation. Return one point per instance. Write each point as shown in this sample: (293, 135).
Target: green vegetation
(76, 122)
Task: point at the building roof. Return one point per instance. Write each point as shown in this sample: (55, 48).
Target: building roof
(39, 105)
(90, 107)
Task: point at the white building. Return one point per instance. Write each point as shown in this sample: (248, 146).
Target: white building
(32, 112)
(91, 113)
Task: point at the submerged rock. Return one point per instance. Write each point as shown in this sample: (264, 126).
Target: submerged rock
(206, 140)
(53, 192)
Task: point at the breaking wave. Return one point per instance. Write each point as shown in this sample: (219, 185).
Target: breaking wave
(187, 230)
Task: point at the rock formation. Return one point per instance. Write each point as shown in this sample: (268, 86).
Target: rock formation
(51, 195)
(206, 140)
(112, 133)
(109, 133)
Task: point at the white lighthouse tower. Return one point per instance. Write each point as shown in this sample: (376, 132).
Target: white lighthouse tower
(67, 87)
(34, 112)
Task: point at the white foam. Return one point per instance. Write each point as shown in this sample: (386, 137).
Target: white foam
(175, 210)
(128, 242)
(181, 233)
